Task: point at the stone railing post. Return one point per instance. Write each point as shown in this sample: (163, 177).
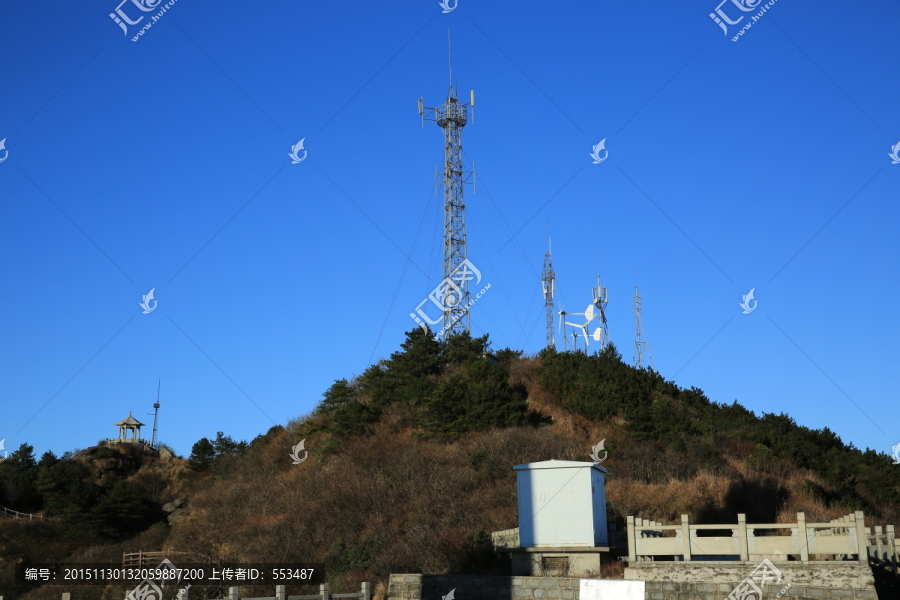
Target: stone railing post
(878, 545)
(280, 593)
(862, 542)
(802, 538)
(233, 593)
(65, 596)
(632, 541)
(892, 548)
(323, 591)
(686, 534)
(847, 520)
(743, 544)
(367, 595)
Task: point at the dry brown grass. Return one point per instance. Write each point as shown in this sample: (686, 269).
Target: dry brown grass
(159, 480)
(416, 502)
(401, 504)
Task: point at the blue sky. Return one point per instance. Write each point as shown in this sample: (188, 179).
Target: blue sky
(163, 163)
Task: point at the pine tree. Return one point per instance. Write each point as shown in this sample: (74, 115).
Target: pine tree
(202, 455)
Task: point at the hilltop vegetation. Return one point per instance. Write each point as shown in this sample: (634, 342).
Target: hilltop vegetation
(410, 469)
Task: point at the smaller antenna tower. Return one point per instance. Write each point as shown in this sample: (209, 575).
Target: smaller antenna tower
(155, 413)
(601, 334)
(641, 345)
(548, 283)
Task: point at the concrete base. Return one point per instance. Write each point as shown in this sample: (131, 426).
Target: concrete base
(556, 562)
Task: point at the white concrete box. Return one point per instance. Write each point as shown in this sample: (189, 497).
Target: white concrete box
(562, 503)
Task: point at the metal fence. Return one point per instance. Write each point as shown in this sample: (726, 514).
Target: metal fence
(139, 559)
(324, 594)
(19, 515)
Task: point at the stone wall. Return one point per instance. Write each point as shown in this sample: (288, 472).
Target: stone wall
(667, 590)
(663, 581)
(478, 587)
(825, 574)
(715, 580)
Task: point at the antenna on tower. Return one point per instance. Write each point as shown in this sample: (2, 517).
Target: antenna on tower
(452, 117)
(450, 58)
(548, 284)
(155, 413)
(641, 345)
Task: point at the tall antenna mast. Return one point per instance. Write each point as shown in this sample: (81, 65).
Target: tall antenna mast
(600, 301)
(450, 59)
(641, 345)
(548, 283)
(452, 117)
(155, 413)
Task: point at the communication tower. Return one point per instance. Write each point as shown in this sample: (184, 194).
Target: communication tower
(548, 283)
(452, 117)
(641, 345)
(601, 334)
(155, 414)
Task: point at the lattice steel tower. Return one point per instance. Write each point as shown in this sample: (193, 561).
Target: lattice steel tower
(641, 345)
(601, 300)
(548, 284)
(452, 117)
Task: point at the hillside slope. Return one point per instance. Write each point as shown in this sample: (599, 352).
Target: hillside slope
(410, 464)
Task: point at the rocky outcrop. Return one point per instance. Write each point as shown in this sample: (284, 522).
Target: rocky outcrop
(176, 510)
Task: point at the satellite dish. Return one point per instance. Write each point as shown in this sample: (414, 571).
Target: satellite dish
(589, 313)
(598, 333)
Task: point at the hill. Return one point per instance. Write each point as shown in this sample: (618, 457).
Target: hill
(409, 469)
